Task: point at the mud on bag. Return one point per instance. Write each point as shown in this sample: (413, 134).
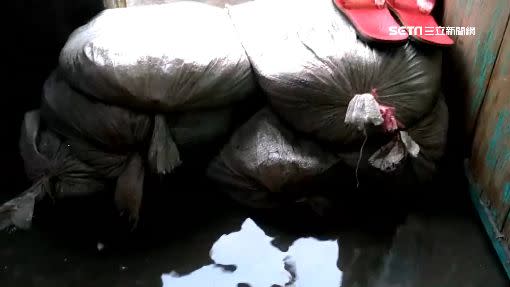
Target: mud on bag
(320, 78)
(264, 163)
(159, 57)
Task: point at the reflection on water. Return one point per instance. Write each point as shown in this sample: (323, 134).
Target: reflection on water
(258, 262)
(308, 262)
(315, 263)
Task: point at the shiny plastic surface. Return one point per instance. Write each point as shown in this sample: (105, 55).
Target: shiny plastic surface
(176, 56)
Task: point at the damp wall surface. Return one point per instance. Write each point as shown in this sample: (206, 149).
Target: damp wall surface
(477, 81)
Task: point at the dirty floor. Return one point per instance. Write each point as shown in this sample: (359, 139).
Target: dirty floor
(434, 241)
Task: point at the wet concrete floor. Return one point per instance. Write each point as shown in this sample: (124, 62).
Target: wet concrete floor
(423, 240)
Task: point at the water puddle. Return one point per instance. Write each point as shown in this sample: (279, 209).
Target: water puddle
(247, 258)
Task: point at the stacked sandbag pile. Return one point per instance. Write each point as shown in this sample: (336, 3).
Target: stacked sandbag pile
(142, 90)
(333, 99)
(138, 90)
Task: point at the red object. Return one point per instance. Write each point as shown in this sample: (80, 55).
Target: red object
(372, 20)
(416, 14)
(390, 122)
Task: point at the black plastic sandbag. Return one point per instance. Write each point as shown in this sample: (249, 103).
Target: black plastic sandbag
(110, 128)
(265, 164)
(118, 131)
(194, 132)
(312, 65)
(125, 169)
(391, 161)
(118, 142)
(129, 188)
(194, 129)
(76, 116)
(159, 57)
(431, 135)
(53, 170)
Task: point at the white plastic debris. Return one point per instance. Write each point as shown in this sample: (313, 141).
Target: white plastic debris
(411, 146)
(363, 109)
(389, 157)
